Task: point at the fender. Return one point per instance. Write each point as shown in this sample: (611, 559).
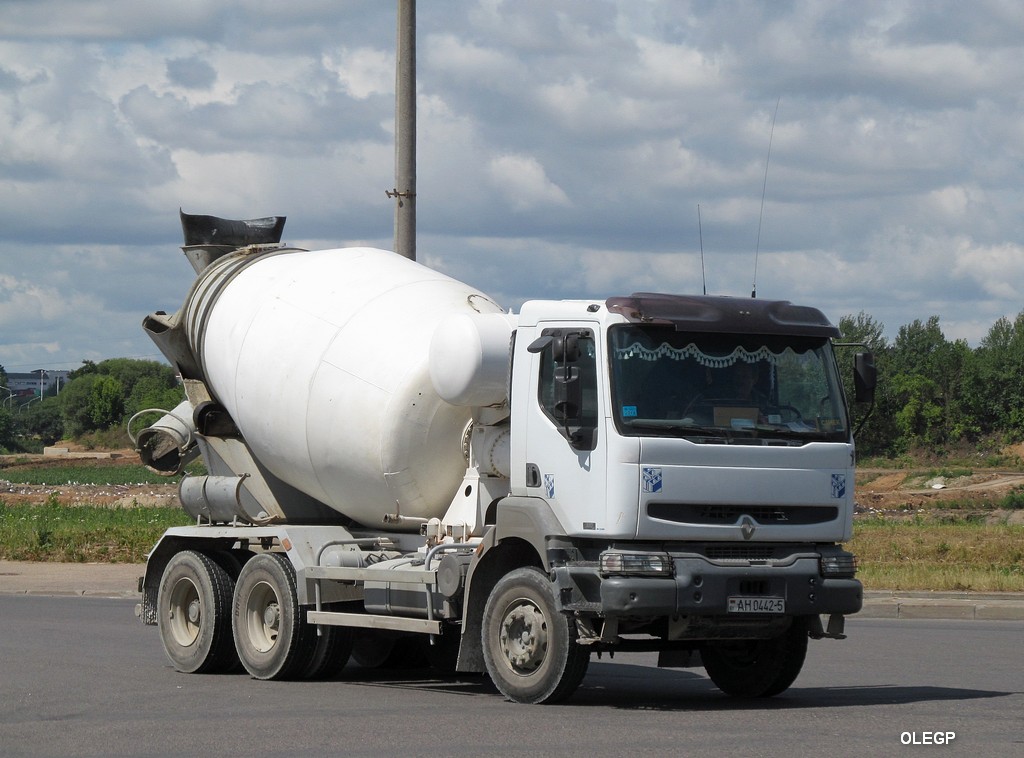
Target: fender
(520, 537)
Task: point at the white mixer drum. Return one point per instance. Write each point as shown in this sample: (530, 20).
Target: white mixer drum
(322, 360)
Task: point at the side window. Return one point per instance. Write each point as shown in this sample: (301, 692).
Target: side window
(581, 359)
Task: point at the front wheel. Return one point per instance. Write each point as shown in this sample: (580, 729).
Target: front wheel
(757, 668)
(530, 649)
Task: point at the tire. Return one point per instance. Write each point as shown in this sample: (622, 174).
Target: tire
(194, 614)
(443, 655)
(331, 650)
(271, 637)
(757, 668)
(230, 561)
(530, 649)
(374, 649)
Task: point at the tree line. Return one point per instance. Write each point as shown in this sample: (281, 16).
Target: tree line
(97, 398)
(933, 393)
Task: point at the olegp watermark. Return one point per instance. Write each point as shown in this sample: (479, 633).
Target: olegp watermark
(927, 738)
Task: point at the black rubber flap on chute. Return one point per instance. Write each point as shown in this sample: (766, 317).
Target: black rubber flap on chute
(211, 230)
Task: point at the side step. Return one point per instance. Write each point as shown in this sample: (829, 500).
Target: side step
(345, 574)
(371, 621)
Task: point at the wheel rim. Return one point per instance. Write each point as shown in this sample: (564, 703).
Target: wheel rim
(524, 637)
(185, 612)
(263, 617)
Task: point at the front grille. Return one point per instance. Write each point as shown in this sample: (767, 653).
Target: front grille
(734, 552)
(754, 587)
(717, 515)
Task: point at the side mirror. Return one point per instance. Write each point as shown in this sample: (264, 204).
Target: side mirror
(568, 395)
(865, 377)
(569, 408)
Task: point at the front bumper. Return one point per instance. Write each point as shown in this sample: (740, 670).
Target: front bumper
(700, 587)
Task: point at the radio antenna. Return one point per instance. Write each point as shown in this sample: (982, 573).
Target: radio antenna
(700, 234)
(764, 187)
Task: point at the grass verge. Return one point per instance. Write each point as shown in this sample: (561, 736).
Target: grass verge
(80, 534)
(963, 555)
(926, 553)
(81, 474)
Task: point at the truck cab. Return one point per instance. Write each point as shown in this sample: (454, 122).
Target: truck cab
(691, 460)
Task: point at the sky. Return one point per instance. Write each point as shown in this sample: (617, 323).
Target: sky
(854, 156)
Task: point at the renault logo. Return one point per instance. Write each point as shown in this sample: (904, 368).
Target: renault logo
(747, 527)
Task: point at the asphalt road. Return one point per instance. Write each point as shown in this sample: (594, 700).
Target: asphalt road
(82, 677)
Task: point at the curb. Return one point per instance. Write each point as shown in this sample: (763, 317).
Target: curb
(971, 606)
(102, 580)
(120, 580)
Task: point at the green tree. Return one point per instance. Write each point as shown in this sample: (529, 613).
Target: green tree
(106, 402)
(153, 392)
(131, 372)
(994, 386)
(100, 395)
(87, 367)
(7, 433)
(928, 374)
(40, 421)
(75, 404)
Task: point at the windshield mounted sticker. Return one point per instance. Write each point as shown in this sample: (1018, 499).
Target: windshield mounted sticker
(629, 411)
(652, 479)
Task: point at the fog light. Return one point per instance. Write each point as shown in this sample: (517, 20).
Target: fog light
(636, 564)
(838, 565)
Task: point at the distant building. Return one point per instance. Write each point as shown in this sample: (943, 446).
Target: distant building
(31, 383)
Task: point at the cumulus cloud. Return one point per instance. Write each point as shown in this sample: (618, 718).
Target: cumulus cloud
(522, 182)
(563, 151)
(191, 73)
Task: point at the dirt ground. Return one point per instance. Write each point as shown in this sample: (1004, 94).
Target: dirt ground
(895, 494)
(907, 493)
(111, 495)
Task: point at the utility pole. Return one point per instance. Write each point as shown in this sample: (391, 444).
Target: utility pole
(404, 192)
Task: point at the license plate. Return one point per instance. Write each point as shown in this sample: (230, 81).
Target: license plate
(757, 605)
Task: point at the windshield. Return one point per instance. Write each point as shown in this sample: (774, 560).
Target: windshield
(724, 387)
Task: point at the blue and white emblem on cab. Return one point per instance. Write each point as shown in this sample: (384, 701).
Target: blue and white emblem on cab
(651, 479)
(838, 486)
(549, 485)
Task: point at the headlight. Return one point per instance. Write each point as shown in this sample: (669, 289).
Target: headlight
(838, 565)
(636, 564)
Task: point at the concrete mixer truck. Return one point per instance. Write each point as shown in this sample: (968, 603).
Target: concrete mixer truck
(394, 463)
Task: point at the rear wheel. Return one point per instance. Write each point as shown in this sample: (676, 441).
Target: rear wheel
(194, 614)
(374, 649)
(272, 640)
(332, 646)
(530, 649)
(443, 651)
(757, 668)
